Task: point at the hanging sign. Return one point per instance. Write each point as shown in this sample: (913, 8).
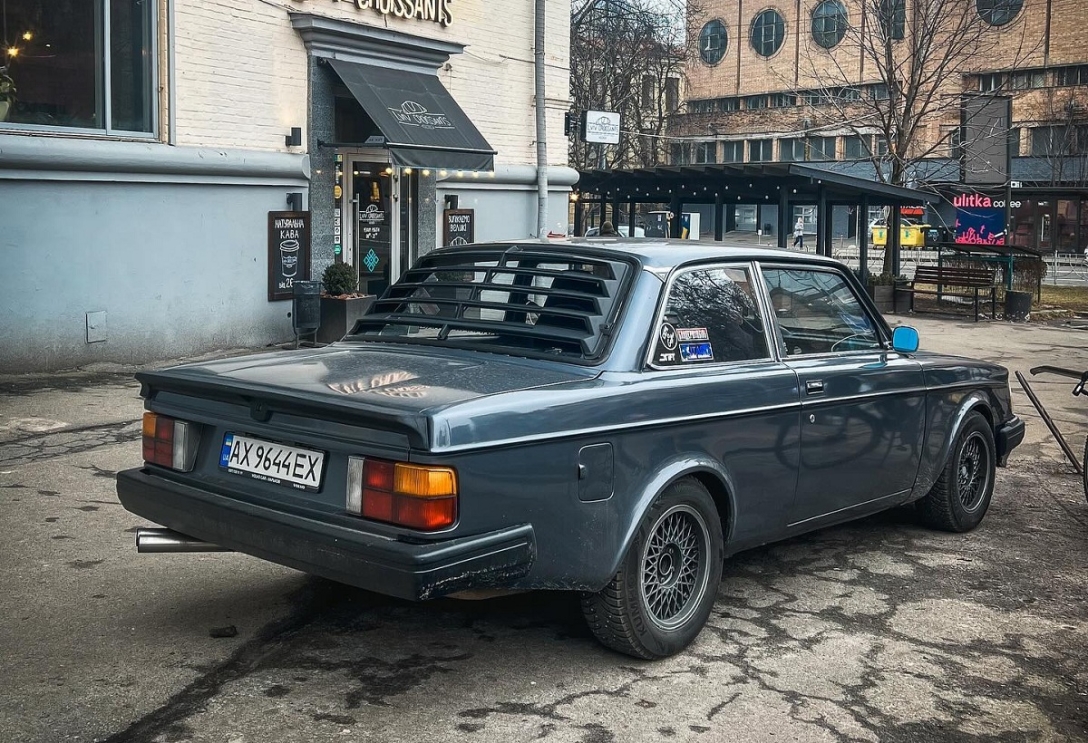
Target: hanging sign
(601, 127)
(288, 252)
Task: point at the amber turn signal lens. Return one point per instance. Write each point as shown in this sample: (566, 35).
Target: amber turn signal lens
(424, 482)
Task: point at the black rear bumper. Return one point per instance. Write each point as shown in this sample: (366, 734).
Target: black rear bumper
(1009, 435)
(369, 561)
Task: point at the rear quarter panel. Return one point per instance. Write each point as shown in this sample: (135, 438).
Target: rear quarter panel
(956, 386)
(737, 428)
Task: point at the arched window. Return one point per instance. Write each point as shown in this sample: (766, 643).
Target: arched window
(829, 23)
(713, 41)
(998, 12)
(768, 32)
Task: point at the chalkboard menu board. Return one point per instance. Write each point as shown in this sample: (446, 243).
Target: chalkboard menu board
(458, 226)
(288, 252)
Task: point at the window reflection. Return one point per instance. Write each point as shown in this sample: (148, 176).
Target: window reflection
(54, 57)
(817, 312)
(711, 316)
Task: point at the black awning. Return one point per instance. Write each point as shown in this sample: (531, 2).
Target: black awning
(423, 126)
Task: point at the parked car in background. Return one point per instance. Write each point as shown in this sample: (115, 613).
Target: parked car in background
(622, 229)
(612, 418)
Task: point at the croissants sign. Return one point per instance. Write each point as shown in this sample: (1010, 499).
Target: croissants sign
(436, 11)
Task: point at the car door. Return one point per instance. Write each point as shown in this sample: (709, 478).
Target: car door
(862, 404)
(714, 366)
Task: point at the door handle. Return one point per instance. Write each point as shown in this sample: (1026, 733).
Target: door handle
(814, 387)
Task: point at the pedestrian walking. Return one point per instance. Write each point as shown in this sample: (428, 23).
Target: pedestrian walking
(799, 233)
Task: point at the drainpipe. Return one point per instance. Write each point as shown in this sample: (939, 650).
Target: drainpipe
(541, 128)
(171, 76)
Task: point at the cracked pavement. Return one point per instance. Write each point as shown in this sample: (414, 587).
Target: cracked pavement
(879, 630)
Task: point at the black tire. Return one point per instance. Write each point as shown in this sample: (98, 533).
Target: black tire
(1084, 468)
(960, 497)
(660, 598)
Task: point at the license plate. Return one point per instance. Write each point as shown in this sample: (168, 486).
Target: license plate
(270, 462)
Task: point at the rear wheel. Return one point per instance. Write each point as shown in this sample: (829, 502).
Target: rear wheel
(661, 596)
(1084, 468)
(961, 496)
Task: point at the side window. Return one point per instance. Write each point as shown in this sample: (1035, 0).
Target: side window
(817, 312)
(711, 316)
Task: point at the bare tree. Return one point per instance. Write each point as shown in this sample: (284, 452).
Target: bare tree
(628, 56)
(899, 71)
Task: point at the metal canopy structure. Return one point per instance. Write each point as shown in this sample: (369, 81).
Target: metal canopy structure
(782, 184)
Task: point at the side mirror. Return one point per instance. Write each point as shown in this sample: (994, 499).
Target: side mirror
(905, 339)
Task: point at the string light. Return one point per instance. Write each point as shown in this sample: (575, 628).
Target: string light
(13, 51)
(426, 172)
(28, 35)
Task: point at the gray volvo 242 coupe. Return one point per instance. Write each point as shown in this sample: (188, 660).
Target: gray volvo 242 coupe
(608, 417)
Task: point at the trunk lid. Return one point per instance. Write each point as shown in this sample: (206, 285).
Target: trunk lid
(393, 388)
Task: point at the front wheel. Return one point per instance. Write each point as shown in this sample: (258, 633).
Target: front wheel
(961, 496)
(660, 598)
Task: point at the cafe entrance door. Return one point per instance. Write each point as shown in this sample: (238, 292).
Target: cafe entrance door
(380, 203)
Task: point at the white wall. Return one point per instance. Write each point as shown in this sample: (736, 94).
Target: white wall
(241, 71)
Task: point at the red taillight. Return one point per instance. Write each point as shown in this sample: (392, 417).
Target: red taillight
(168, 442)
(415, 496)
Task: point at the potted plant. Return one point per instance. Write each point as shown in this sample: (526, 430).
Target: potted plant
(341, 303)
(882, 290)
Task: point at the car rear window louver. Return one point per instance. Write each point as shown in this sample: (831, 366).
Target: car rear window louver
(520, 300)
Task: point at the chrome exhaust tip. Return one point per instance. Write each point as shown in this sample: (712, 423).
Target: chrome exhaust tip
(154, 541)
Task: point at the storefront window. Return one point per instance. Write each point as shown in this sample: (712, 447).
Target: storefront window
(1023, 223)
(1083, 227)
(1065, 226)
(86, 64)
(747, 218)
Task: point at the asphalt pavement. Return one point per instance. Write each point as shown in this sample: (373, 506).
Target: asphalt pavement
(875, 631)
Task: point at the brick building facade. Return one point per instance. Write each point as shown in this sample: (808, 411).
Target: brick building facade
(798, 81)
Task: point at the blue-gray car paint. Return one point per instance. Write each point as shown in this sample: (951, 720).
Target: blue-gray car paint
(513, 428)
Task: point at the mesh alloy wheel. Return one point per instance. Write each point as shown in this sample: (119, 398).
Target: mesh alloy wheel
(974, 472)
(674, 566)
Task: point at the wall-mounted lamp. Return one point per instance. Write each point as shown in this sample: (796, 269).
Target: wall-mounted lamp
(294, 201)
(294, 139)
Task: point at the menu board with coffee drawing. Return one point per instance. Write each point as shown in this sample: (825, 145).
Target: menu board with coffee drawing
(288, 252)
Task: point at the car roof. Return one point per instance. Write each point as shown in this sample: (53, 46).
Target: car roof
(662, 254)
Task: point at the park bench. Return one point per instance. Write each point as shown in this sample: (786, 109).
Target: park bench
(966, 282)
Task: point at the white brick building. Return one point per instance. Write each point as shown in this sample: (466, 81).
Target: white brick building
(136, 182)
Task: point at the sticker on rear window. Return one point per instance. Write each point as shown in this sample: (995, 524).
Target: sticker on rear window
(696, 351)
(665, 350)
(687, 335)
